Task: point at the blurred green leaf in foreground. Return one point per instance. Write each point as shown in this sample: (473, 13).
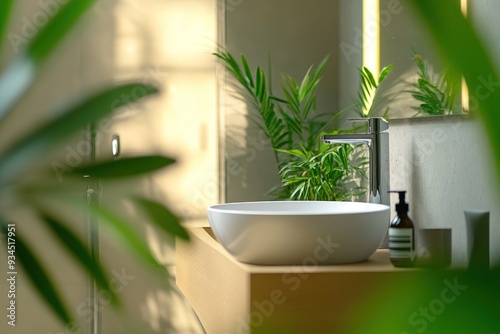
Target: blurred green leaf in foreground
(448, 301)
(16, 77)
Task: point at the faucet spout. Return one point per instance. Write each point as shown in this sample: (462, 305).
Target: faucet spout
(377, 140)
(349, 138)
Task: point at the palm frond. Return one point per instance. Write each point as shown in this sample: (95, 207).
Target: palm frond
(38, 276)
(256, 89)
(126, 167)
(20, 74)
(5, 9)
(318, 175)
(368, 88)
(436, 95)
(308, 169)
(78, 249)
(162, 217)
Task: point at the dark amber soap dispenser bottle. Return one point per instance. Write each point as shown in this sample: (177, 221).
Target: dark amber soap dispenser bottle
(402, 235)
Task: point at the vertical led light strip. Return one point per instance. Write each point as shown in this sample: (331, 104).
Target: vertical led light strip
(371, 36)
(463, 6)
(371, 40)
(465, 89)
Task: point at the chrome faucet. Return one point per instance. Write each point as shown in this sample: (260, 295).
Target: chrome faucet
(377, 140)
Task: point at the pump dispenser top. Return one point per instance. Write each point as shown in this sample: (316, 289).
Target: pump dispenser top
(402, 206)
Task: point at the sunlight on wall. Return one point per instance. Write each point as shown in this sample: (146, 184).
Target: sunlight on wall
(182, 34)
(189, 33)
(189, 124)
(169, 44)
(173, 42)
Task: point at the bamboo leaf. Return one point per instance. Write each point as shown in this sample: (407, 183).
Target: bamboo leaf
(315, 79)
(368, 89)
(294, 152)
(247, 70)
(162, 217)
(293, 103)
(21, 155)
(277, 99)
(122, 230)
(260, 85)
(320, 68)
(230, 62)
(292, 124)
(366, 84)
(291, 90)
(370, 77)
(384, 73)
(5, 10)
(38, 276)
(21, 72)
(304, 86)
(125, 167)
(309, 105)
(79, 251)
(51, 34)
(281, 140)
(291, 84)
(435, 96)
(232, 66)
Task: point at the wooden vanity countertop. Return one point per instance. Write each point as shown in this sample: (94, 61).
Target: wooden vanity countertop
(233, 297)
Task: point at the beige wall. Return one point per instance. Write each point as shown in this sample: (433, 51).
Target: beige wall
(445, 164)
(349, 50)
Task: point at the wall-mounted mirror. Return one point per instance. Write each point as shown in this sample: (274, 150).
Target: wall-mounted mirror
(356, 33)
(282, 36)
(420, 84)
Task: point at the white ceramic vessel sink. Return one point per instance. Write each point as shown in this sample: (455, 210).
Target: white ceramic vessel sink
(300, 232)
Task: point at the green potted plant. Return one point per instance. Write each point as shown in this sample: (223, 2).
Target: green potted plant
(309, 170)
